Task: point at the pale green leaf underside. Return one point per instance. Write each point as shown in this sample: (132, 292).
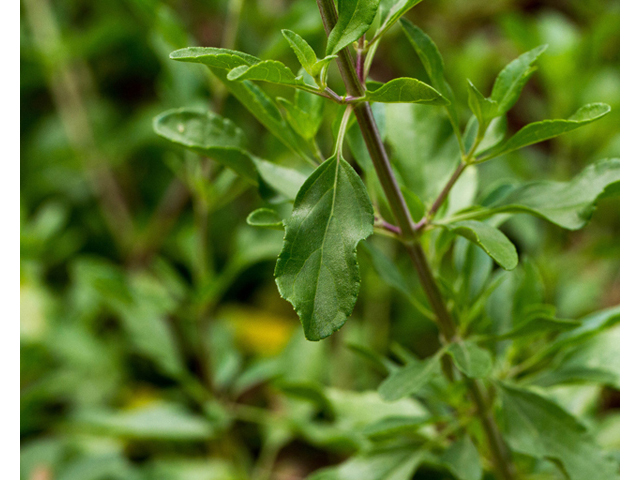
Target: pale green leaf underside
(470, 359)
(567, 204)
(354, 20)
(265, 218)
(406, 90)
(538, 427)
(317, 270)
(490, 239)
(546, 129)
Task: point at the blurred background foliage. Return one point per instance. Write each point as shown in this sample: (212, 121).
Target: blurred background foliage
(154, 343)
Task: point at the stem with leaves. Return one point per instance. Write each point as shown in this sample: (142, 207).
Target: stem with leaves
(410, 236)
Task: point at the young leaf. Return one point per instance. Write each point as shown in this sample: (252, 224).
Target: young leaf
(270, 71)
(470, 359)
(317, 270)
(306, 55)
(484, 109)
(265, 218)
(354, 19)
(214, 57)
(567, 204)
(512, 79)
(546, 129)
(392, 14)
(490, 239)
(431, 59)
(538, 427)
(406, 90)
(409, 379)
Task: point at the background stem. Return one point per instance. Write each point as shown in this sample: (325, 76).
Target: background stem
(410, 238)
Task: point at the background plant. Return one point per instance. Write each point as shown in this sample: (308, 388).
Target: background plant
(152, 332)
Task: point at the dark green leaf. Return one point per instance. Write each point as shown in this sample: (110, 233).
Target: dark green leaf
(214, 57)
(470, 359)
(409, 379)
(354, 19)
(536, 426)
(406, 90)
(490, 239)
(546, 129)
(265, 218)
(317, 270)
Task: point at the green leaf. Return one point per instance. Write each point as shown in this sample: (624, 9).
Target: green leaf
(317, 270)
(265, 218)
(430, 58)
(470, 359)
(569, 204)
(546, 129)
(538, 323)
(483, 108)
(302, 122)
(406, 90)
(270, 71)
(409, 379)
(306, 55)
(463, 460)
(354, 19)
(389, 463)
(589, 326)
(210, 135)
(512, 79)
(159, 421)
(391, 14)
(490, 239)
(393, 426)
(220, 61)
(538, 427)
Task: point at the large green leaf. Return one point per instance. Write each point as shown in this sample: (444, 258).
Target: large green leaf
(490, 239)
(354, 19)
(317, 270)
(431, 59)
(220, 61)
(536, 426)
(512, 79)
(546, 129)
(409, 379)
(567, 204)
(406, 90)
(470, 359)
(270, 71)
(463, 460)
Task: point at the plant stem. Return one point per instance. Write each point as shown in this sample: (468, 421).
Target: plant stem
(410, 238)
(445, 191)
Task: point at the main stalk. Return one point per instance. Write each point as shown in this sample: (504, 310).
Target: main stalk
(410, 237)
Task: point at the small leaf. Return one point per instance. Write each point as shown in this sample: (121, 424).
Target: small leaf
(470, 359)
(214, 57)
(406, 90)
(409, 379)
(512, 79)
(538, 427)
(306, 55)
(317, 270)
(392, 426)
(483, 108)
(392, 14)
(354, 19)
(569, 204)
(538, 323)
(463, 460)
(265, 218)
(316, 69)
(270, 71)
(490, 239)
(546, 129)
(431, 59)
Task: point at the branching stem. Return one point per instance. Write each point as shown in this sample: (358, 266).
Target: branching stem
(410, 237)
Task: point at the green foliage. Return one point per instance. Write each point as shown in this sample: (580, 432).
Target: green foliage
(428, 229)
